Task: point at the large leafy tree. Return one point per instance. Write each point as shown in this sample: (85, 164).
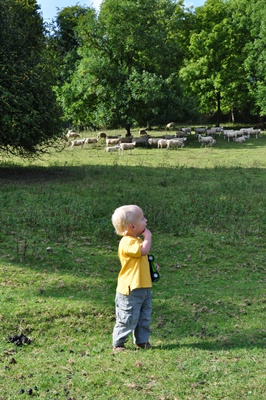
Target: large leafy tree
(130, 56)
(256, 54)
(29, 114)
(214, 70)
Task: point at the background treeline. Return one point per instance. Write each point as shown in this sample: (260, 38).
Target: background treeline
(135, 62)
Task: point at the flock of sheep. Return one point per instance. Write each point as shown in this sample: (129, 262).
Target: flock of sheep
(206, 136)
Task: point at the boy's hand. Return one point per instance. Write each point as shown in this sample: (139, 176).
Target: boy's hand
(146, 233)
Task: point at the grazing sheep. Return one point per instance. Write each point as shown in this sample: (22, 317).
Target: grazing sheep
(182, 140)
(91, 140)
(80, 142)
(168, 137)
(141, 141)
(142, 132)
(111, 149)
(127, 146)
(174, 143)
(112, 141)
(180, 134)
(126, 139)
(72, 135)
(206, 140)
(162, 143)
(170, 125)
(200, 130)
(101, 135)
(251, 132)
(153, 142)
(230, 135)
(186, 130)
(241, 139)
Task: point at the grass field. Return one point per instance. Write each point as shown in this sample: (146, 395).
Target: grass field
(59, 266)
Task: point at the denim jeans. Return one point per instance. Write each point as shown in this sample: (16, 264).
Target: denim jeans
(133, 314)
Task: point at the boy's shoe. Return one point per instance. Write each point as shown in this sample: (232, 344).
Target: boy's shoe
(119, 348)
(145, 345)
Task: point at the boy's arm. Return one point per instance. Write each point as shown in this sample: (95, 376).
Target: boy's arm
(146, 245)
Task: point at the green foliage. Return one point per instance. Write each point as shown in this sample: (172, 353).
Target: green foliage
(30, 117)
(59, 266)
(132, 79)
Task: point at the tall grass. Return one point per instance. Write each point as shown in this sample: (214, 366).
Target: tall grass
(58, 268)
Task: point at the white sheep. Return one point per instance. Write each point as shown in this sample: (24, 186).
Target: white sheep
(72, 135)
(111, 149)
(80, 142)
(170, 125)
(241, 139)
(186, 130)
(91, 140)
(174, 143)
(112, 141)
(206, 140)
(153, 141)
(180, 133)
(251, 131)
(162, 143)
(200, 130)
(230, 135)
(127, 146)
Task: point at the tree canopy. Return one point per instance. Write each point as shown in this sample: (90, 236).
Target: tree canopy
(29, 113)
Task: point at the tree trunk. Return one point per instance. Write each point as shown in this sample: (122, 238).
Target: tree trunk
(218, 108)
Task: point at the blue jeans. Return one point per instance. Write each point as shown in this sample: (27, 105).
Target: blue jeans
(133, 314)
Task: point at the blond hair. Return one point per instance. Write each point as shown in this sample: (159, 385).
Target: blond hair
(123, 216)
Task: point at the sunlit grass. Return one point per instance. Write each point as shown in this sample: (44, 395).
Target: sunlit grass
(59, 266)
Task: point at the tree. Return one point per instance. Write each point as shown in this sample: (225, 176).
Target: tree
(130, 56)
(256, 55)
(29, 114)
(214, 69)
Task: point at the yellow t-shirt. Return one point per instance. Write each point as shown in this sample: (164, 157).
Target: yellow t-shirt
(135, 268)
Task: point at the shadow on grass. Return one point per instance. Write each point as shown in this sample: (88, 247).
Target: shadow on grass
(232, 342)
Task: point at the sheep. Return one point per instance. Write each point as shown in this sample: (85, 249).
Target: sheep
(153, 141)
(91, 140)
(142, 132)
(168, 137)
(126, 146)
(110, 149)
(180, 134)
(182, 140)
(186, 130)
(250, 131)
(162, 143)
(112, 141)
(174, 143)
(141, 141)
(72, 135)
(211, 132)
(230, 135)
(200, 130)
(170, 125)
(101, 135)
(80, 142)
(127, 139)
(241, 139)
(206, 140)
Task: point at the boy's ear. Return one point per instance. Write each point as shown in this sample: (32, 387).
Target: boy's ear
(132, 226)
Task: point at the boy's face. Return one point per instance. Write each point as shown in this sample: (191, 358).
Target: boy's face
(140, 223)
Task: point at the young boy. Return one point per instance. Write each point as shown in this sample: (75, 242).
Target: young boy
(133, 292)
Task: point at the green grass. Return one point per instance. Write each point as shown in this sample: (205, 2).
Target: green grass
(59, 266)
